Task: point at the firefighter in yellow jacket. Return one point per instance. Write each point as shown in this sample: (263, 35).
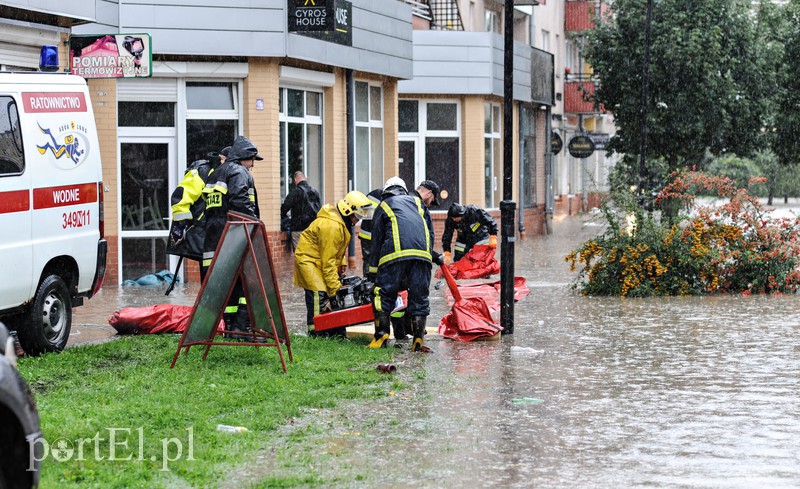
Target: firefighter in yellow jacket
(320, 255)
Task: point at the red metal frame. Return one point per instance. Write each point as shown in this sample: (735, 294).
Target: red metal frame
(259, 337)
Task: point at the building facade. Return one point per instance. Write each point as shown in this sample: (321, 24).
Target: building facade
(423, 82)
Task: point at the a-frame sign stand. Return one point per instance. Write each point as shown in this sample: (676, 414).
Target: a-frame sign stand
(242, 254)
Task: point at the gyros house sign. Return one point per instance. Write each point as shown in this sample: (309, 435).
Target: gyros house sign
(581, 146)
(311, 15)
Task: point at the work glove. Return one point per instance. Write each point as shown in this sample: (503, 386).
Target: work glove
(438, 258)
(178, 232)
(492, 241)
(342, 270)
(447, 260)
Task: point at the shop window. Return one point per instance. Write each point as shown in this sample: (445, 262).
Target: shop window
(12, 158)
(212, 118)
(210, 96)
(369, 136)
(301, 136)
(146, 114)
(408, 113)
(430, 145)
(441, 117)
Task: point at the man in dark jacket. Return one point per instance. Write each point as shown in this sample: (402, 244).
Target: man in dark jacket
(304, 202)
(230, 188)
(400, 258)
(474, 226)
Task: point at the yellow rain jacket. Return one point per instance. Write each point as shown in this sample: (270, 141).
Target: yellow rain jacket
(321, 250)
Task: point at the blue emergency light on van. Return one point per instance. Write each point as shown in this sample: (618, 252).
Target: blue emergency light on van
(48, 58)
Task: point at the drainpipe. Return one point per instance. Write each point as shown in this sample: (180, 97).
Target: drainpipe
(549, 191)
(522, 140)
(351, 117)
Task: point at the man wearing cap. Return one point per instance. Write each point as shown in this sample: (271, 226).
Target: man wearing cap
(474, 226)
(187, 234)
(230, 188)
(428, 191)
(400, 258)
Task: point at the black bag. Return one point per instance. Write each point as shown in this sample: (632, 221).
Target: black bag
(312, 205)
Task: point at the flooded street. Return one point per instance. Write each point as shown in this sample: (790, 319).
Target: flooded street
(588, 392)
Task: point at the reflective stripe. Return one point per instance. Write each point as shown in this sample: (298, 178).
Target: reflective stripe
(370, 197)
(208, 257)
(373, 269)
(207, 263)
(425, 223)
(242, 301)
(231, 309)
(399, 314)
(377, 299)
(218, 186)
(485, 241)
(475, 226)
(404, 254)
(183, 216)
(460, 246)
(365, 235)
(395, 230)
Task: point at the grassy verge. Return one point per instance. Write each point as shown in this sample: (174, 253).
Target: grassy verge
(124, 419)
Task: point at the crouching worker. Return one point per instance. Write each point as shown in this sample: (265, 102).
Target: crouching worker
(401, 256)
(474, 226)
(320, 255)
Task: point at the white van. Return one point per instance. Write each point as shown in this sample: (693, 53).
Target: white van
(52, 251)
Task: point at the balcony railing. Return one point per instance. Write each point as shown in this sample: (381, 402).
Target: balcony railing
(578, 93)
(420, 9)
(581, 15)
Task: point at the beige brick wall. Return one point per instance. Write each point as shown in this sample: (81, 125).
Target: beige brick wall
(261, 126)
(472, 178)
(335, 124)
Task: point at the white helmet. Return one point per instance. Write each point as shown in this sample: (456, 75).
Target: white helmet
(395, 182)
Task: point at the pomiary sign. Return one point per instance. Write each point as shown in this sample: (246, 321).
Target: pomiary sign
(111, 55)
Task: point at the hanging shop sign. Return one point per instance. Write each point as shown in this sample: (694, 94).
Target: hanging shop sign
(111, 56)
(327, 20)
(556, 143)
(600, 139)
(581, 146)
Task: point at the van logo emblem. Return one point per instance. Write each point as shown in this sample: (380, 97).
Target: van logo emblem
(68, 145)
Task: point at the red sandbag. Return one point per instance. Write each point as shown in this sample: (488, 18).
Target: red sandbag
(469, 318)
(479, 262)
(160, 318)
(490, 292)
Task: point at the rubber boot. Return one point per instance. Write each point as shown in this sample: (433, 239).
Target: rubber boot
(400, 328)
(230, 324)
(381, 336)
(418, 330)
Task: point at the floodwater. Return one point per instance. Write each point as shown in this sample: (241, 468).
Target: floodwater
(587, 392)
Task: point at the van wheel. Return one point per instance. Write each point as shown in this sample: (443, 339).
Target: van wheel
(50, 318)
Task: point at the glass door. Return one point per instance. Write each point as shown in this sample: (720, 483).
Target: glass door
(148, 174)
(408, 167)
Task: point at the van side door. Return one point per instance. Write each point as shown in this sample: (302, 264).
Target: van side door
(16, 249)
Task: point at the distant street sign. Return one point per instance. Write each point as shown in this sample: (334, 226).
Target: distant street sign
(556, 143)
(580, 146)
(600, 139)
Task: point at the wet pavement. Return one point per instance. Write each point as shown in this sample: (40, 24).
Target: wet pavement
(588, 392)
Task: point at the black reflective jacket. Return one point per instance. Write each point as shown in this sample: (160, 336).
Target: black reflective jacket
(402, 229)
(475, 228)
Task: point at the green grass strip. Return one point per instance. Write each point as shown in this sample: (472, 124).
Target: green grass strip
(125, 389)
